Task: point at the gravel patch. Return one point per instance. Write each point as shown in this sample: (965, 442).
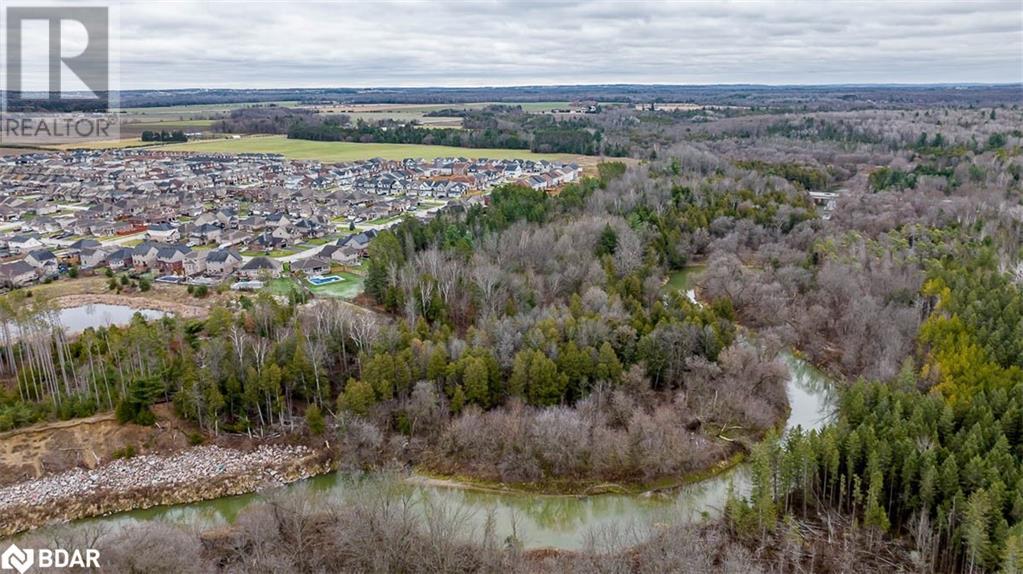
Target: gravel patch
(193, 466)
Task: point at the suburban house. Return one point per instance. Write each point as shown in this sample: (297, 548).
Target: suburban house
(73, 254)
(222, 262)
(44, 260)
(17, 274)
(24, 243)
(311, 266)
(144, 255)
(90, 257)
(207, 233)
(259, 267)
(194, 263)
(358, 242)
(346, 255)
(120, 258)
(163, 232)
(171, 259)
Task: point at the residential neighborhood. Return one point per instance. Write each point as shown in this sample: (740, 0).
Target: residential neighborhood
(210, 217)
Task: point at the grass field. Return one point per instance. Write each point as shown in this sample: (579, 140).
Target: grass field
(347, 289)
(345, 151)
(109, 144)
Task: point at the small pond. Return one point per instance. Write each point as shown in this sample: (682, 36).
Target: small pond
(79, 318)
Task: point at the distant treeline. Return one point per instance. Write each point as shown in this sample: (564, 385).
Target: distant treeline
(494, 127)
(816, 97)
(164, 136)
(15, 104)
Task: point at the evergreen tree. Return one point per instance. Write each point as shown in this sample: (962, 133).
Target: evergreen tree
(314, 420)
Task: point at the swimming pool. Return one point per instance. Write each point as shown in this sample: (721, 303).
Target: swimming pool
(318, 280)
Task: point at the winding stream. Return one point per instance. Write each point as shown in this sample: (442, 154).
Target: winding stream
(565, 522)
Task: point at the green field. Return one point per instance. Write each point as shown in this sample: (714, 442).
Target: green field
(345, 151)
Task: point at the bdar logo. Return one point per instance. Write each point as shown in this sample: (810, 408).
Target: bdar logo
(15, 558)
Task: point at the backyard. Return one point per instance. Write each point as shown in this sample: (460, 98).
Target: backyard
(347, 289)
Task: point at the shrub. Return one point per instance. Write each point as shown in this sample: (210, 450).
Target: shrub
(124, 452)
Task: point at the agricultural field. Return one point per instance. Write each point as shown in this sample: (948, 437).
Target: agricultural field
(417, 112)
(186, 118)
(348, 151)
(198, 111)
(124, 142)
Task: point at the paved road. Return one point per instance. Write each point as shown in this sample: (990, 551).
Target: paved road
(124, 239)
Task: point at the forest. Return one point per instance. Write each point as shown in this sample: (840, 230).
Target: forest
(535, 341)
(507, 127)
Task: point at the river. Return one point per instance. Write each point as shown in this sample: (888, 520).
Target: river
(537, 521)
(563, 522)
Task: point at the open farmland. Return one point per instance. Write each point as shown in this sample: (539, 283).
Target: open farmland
(187, 118)
(417, 112)
(198, 111)
(347, 151)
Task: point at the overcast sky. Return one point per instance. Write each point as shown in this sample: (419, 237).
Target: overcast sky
(179, 44)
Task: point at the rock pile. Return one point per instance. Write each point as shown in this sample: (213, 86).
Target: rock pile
(194, 474)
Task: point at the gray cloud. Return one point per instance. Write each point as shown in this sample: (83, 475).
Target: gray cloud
(167, 44)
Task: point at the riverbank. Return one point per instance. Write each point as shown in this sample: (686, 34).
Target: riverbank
(196, 474)
(569, 488)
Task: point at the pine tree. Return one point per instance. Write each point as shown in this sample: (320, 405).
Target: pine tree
(357, 398)
(457, 400)
(978, 509)
(518, 381)
(608, 366)
(546, 385)
(314, 420)
(608, 242)
(949, 480)
(475, 381)
(438, 364)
